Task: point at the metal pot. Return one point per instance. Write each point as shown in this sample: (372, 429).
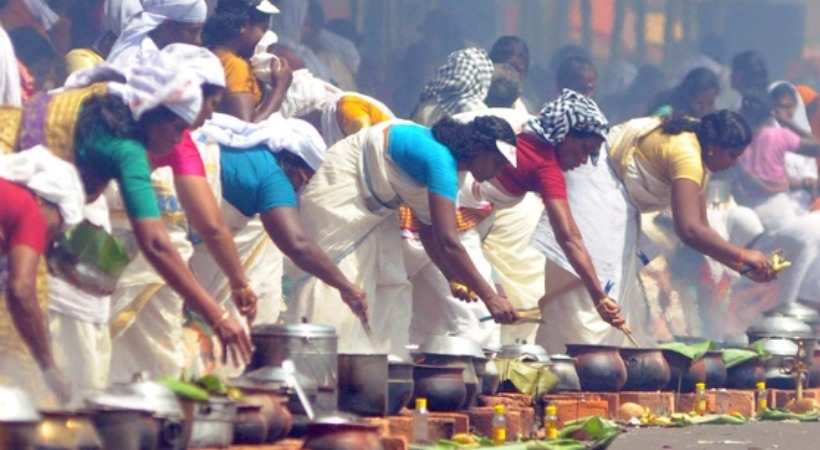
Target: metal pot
(442, 386)
(798, 311)
(125, 429)
(685, 374)
(600, 367)
(563, 366)
(814, 373)
(363, 381)
(152, 397)
(67, 430)
(342, 432)
(313, 350)
(213, 423)
(18, 419)
(278, 381)
(524, 352)
(776, 327)
(782, 354)
(399, 386)
(450, 345)
(488, 373)
(646, 369)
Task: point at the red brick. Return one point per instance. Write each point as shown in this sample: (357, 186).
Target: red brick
(656, 402)
(383, 424)
(401, 426)
(492, 400)
(778, 398)
(394, 443)
(573, 409)
(461, 421)
(481, 419)
(521, 400)
(686, 402)
(441, 428)
(743, 402)
(528, 418)
(612, 399)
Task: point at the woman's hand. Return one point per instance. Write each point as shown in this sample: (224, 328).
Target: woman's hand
(501, 309)
(761, 270)
(58, 383)
(280, 72)
(245, 299)
(356, 298)
(610, 312)
(234, 340)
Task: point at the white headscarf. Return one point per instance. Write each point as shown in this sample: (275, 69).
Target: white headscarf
(306, 94)
(276, 133)
(153, 13)
(40, 11)
(800, 118)
(51, 178)
(152, 80)
(10, 92)
(198, 60)
(116, 14)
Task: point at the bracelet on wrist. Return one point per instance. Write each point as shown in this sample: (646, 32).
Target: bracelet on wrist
(740, 263)
(222, 319)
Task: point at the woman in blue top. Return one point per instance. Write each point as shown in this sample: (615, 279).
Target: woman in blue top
(349, 207)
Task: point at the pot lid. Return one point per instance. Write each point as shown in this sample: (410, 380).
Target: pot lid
(275, 378)
(295, 330)
(562, 358)
(16, 406)
(451, 345)
(341, 419)
(779, 346)
(796, 311)
(525, 351)
(142, 396)
(778, 326)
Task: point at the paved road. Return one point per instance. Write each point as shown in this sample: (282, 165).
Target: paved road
(752, 436)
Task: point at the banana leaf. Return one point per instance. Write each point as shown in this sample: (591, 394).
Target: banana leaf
(735, 356)
(692, 351)
(757, 346)
(531, 378)
(682, 419)
(783, 414)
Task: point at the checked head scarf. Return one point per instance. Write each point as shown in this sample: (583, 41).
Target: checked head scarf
(570, 111)
(462, 82)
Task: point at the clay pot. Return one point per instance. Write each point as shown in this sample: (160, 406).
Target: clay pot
(746, 375)
(646, 369)
(600, 368)
(715, 369)
(442, 386)
(277, 417)
(684, 372)
(250, 426)
(471, 380)
(342, 435)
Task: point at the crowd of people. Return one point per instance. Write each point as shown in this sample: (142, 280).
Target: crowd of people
(243, 164)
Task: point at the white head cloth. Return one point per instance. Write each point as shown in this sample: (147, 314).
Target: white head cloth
(153, 13)
(51, 178)
(116, 14)
(276, 133)
(800, 118)
(198, 60)
(10, 92)
(306, 94)
(40, 11)
(154, 79)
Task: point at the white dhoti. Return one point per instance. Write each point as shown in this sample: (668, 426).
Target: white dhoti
(519, 267)
(435, 310)
(349, 209)
(82, 350)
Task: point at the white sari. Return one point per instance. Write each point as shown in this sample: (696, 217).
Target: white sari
(349, 208)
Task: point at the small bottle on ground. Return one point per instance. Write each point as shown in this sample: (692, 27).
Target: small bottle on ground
(420, 422)
(499, 426)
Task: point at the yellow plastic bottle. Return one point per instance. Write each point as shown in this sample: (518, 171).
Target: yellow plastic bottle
(762, 396)
(499, 426)
(700, 399)
(551, 422)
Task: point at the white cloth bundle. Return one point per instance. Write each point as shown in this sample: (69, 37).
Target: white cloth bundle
(40, 11)
(51, 178)
(306, 94)
(275, 133)
(116, 14)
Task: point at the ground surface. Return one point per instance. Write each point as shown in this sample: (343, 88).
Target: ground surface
(752, 436)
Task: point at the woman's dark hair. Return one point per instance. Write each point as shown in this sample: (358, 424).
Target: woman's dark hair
(696, 81)
(722, 128)
(228, 19)
(465, 140)
(505, 87)
(289, 162)
(756, 108)
(749, 69)
(112, 114)
(505, 47)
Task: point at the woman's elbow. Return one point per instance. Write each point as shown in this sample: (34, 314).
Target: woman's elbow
(689, 234)
(20, 290)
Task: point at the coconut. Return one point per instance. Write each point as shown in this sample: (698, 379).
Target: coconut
(628, 411)
(803, 406)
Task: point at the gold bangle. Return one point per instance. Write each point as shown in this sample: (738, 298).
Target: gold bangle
(222, 319)
(243, 290)
(600, 302)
